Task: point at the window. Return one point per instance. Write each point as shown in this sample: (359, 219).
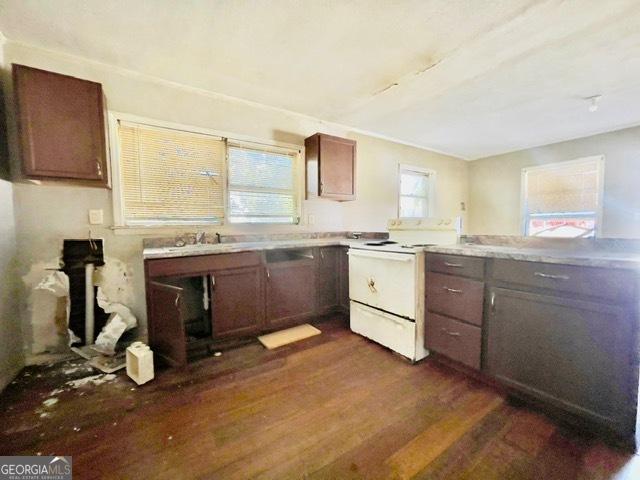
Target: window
(170, 176)
(415, 199)
(563, 199)
(262, 184)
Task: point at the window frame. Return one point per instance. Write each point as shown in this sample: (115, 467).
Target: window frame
(298, 178)
(119, 221)
(431, 194)
(600, 165)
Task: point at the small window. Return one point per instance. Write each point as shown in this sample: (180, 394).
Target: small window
(170, 176)
(415, 198)
(563, 199)
(262, 184)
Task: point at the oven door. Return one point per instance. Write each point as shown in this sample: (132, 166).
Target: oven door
(384, 280)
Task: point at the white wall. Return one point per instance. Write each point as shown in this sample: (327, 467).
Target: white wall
(46, 214)
(494, 183)
(11, 359)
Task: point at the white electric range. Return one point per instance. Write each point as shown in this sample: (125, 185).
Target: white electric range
(387, 300)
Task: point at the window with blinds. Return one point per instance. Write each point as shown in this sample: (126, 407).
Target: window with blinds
(415, 191)
(262, 184)
(170, 176)
(563, 199)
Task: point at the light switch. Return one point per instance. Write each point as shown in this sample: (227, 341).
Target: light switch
(96, 217)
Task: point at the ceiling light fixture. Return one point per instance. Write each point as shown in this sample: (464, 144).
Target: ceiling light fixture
(594, 103)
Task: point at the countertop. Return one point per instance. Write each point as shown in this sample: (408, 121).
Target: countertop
(588, 258)
(235, 247)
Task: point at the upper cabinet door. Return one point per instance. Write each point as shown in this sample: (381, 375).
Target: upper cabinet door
(331, 167)
(61, 125)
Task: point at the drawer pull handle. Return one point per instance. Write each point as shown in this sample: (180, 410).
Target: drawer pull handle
(552, 277)
(371, 283)
(177, 301)
(452, 290)
(453, 265)
(99, 168)
(451, 334)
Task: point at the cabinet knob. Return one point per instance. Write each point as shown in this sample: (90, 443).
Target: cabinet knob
(177, 301)
(552, 277)
(99, 168)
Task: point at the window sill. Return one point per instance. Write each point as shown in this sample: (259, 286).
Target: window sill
(161, 229)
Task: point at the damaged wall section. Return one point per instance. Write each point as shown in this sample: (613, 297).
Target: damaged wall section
(56, 310)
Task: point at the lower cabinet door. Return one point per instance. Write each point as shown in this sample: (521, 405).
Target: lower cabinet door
(291, 292)
(343, 278)
(327, 278)
(574, 354)
(236, 301)
(453, 339)
(167, 336)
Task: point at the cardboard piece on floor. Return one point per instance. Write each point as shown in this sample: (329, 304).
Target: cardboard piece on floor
(290, 335)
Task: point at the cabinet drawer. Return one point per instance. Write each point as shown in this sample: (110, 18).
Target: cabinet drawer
(455, 296)
(453, 339)
(456, 265)
(201, 264)
(598, 282)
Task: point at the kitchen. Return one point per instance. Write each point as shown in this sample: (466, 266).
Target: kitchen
(336, 159)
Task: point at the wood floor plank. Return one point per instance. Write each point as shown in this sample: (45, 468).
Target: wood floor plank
(436, 439)
(334, 406)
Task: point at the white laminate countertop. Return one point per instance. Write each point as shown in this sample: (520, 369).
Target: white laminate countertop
(235, 247)
(587, 258)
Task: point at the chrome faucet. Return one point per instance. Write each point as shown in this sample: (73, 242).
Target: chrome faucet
(200, 238)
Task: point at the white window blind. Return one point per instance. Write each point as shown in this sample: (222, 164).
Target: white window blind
(170, 176)
(415, 192)
(562, 199)
(262, 184)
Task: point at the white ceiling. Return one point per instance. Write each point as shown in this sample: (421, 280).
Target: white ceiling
(474, 77)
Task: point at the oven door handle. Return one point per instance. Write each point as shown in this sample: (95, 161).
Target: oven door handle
(395, 257)
(367, 313)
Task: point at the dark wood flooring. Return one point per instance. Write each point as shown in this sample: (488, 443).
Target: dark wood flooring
(334, 406)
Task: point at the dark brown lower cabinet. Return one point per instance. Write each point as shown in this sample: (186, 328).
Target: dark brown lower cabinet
(236, 301)
(291, 290)
(192, 302)
(343, 278)
(456, 340)
(328, 279)
(574, 354)
(167, 333)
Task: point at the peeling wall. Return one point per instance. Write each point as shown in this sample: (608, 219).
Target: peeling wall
(46, 214)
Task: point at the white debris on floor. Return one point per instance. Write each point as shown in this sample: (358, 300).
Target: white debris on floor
(50, 401)
(91, 380)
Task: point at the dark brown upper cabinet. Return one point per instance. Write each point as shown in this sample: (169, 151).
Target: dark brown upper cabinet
(331, 167)
(61, 123)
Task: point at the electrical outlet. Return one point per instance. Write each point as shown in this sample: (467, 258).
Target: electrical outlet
(96, 217)
(311, 219)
